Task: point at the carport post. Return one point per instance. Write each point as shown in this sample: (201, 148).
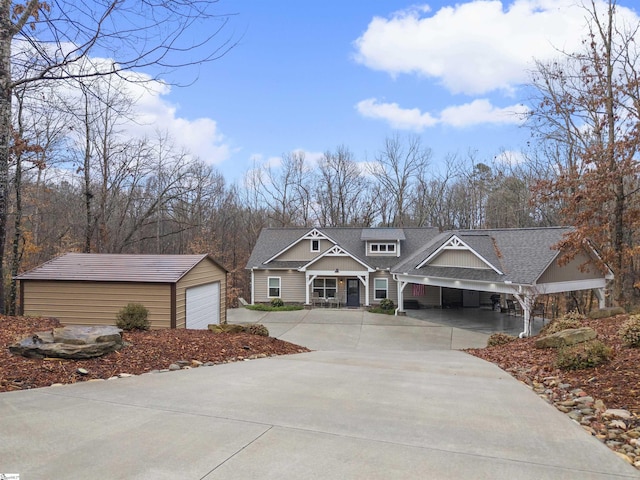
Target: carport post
(526, 302)
(400, 285)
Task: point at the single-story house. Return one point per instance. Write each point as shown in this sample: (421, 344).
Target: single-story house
(362, 266)
(180, 291)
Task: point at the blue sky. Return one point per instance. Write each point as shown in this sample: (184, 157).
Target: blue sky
(310, 75)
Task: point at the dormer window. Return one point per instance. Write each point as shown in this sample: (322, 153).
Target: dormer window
(382, 247)
(315, 245)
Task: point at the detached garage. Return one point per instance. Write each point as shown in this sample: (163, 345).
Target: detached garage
(180, 291)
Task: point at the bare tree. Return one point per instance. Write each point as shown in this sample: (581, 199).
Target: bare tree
(397, 168)
(55, 41)
(341, 188)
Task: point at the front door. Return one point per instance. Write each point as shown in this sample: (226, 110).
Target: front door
(353, 292)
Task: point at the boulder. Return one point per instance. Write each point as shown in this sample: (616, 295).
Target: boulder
(72, 342)
(571, 336)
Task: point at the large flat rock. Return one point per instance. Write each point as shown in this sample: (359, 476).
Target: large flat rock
(71, 342)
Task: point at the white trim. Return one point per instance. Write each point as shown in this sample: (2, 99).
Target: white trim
(503, 287)
(279, 288)
(386, 288)
(454, 243)
(380, 253)
(313, 234)
(253, 286)
(311, 242)
(335, 251)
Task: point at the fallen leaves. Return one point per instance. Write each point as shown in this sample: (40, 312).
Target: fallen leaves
(145, 351)
(615, 383)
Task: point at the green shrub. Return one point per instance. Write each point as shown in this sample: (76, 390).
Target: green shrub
(606, 312)
(258, 329)
(261, 307)
(381, 310)
(500, 339)
(583, 355)
(133, 317)
(630, 331)
(572, 319)
(387, 304)
(277, 302)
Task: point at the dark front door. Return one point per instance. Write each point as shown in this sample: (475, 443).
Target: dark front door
(353, 292)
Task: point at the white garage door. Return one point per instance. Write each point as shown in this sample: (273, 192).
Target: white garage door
(203, 305)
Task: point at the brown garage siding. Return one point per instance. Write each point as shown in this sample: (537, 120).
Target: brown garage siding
(203, 273)
(95, 303)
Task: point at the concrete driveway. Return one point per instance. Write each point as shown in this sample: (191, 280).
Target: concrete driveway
(381, 398)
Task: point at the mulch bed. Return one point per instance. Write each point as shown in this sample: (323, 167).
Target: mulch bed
(145, 351)
(616, 383)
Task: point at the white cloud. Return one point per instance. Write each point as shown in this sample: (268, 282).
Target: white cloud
(510, 158)
(398, 117)
(474, 47)
(200, 136)
(479, 111)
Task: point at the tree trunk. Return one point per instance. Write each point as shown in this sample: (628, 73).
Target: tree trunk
(6, 34)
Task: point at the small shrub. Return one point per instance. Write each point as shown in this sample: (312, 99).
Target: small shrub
(500, 339)
(133, 317)
(572, 319)
(226, 328)
(387, 304)
(277, 302)
(606, 312)
(630, 331)
(381, 310)
(261, 307)
(258, 329)
(583, 355)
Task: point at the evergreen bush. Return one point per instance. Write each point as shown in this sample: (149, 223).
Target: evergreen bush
(133, 317)
(583, 355)
(277, 302)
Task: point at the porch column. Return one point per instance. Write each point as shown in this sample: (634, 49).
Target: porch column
(364, 280)
(308, 280)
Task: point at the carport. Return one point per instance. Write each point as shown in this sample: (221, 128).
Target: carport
(522, 264)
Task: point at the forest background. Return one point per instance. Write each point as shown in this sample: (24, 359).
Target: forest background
(73, 178)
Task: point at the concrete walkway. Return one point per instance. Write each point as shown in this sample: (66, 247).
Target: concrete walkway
(381, 398)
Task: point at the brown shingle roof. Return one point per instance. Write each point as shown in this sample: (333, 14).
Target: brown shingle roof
(104, 267)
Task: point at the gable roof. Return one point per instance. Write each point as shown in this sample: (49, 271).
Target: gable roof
(521, 254)
(479, 246)
(104, 267)
(272, 241)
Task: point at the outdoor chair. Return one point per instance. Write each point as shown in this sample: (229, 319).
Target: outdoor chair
(513, 307)
(538, 311)
(316, 300)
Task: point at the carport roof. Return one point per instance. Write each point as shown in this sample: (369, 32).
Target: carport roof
(103, 267)
(521, 254)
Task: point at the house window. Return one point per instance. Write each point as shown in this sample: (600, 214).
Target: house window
(274, 287)
(325, 287)
(382, 247)
(380, 288)
(315, 245)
